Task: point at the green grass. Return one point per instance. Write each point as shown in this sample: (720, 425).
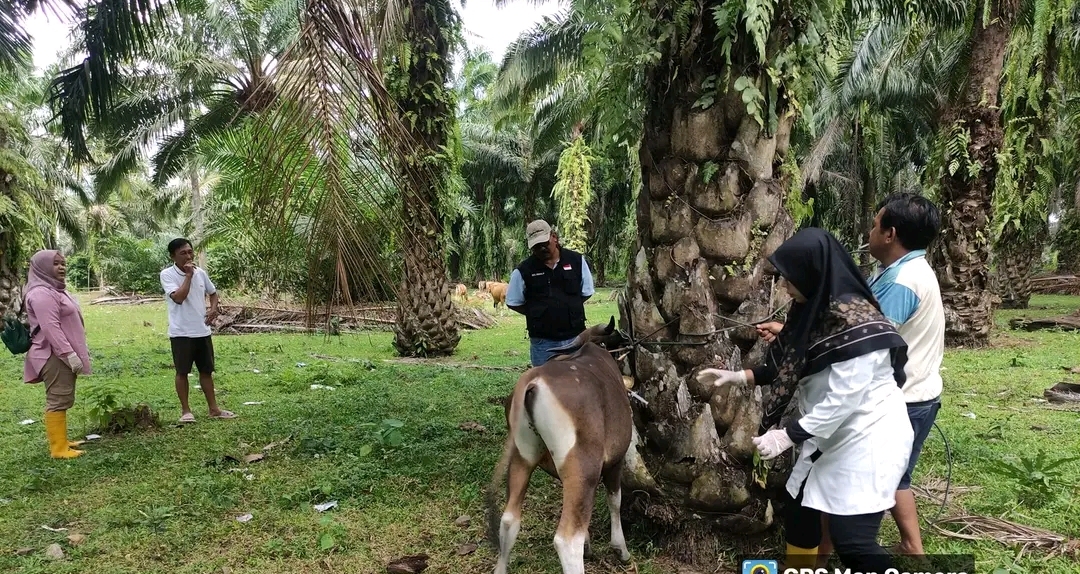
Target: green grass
(167, 501)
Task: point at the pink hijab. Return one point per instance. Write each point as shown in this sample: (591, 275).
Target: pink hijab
(41, 272)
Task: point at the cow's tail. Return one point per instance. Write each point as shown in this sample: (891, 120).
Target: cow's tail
(491, 498)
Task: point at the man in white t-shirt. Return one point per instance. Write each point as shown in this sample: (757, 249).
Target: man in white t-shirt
(186, 288)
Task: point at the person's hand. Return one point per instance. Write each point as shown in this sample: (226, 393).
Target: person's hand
(74, 362)
(769, 331)
(719, 377)
(772, 443)
(189, 269)
(211, 315)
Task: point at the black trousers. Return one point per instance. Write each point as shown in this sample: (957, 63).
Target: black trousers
(854, 537)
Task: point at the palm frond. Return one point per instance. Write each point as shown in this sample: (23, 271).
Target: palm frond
(176, 149)
(537, 59)
(113, 31)
(324, 150)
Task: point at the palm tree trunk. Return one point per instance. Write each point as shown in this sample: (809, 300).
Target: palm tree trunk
(197, 210)
(456, 259)
(711, 208)
(1019, 257)
(425, 316)
(962, 251)
(867, 200)
(10, 286)
(1067, 238)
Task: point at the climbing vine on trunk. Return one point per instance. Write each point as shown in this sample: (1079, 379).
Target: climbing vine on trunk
(573, 193)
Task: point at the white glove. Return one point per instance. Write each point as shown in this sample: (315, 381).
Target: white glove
(74, 362)
(720, 377)
(772, 443)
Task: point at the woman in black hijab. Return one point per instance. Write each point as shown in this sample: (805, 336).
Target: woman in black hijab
(847, 361)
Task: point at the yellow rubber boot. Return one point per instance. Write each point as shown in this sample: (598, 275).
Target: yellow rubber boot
(801, 557)
(56, 431)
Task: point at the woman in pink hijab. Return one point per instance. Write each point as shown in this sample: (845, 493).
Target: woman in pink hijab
(58, 351)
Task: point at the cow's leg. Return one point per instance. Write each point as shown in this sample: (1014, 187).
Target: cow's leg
(613, 485)
(517, 480)
(580, 476)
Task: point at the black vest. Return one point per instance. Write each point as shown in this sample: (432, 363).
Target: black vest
(554, 307)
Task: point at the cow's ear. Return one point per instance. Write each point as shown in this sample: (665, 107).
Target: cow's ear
(610, 326)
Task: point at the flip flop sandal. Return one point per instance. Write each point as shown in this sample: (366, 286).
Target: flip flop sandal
(187, 418)
(224, 414)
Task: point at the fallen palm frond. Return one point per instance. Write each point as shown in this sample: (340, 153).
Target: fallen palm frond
(933, 489)
(1065, 323)
(1056, 285)
(1063, 393)
(429, 363)
(1009, 533)
(237, 319)
(126, 300)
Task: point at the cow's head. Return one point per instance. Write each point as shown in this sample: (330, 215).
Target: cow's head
(605, 336)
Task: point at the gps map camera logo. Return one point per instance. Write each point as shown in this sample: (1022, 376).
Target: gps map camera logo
(759, 567)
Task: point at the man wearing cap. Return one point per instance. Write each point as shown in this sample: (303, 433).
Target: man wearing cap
(550, 288)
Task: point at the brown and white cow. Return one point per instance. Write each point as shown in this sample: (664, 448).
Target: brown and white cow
(571, 413)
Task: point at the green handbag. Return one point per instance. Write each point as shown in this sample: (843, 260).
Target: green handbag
(15, 336)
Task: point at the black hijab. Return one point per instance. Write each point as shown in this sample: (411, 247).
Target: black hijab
(840, 320)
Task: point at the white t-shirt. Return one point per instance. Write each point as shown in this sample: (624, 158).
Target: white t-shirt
(189, 318)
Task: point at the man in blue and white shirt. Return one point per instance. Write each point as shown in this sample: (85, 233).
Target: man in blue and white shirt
(907, 289)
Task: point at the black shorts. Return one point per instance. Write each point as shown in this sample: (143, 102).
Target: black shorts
(188, 350)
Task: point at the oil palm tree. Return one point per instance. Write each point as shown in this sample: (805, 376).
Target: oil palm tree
(362, 112)
(38, 192)
(965, 167)
(724, 83)
(204, 77)
(1039, 73)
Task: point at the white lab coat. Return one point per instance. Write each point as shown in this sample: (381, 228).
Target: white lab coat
(857, 415)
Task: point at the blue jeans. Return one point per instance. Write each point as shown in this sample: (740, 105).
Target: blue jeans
(540, 349)
(922, 417)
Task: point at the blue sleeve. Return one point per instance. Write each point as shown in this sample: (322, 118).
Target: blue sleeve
(515, 293)
(898, 302)
(587, 289)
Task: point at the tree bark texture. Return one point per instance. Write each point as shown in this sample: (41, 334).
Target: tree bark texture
(1067, 241)
(10, 284)
(425, 319)
(1019, 258)
(699, 260)
(962, 252)
(197, 211)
